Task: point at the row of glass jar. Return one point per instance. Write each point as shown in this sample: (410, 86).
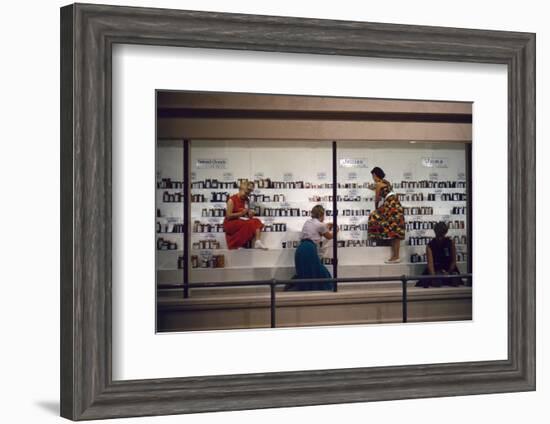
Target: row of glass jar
(430, 184)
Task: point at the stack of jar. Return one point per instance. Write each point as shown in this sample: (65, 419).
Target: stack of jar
(206, 245)
(164, 228)
(260, 211)
(352, 227)
(198, 198)
(418, 210)
(419, 241)
(460, 239)
(416, 197)
(356, 212)
(458, 210)
(415, 258)
(168, 197)
(218, 196)
(274, 228)
(215, 212)
(456, 225)
(453, 197)
(266, 198)
(166, 244)
(168, 183)
(289, 244)
(213, 183)
(199, 227)
(214, 261)
(430, 184)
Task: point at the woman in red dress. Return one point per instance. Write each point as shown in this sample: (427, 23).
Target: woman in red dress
(239, 224)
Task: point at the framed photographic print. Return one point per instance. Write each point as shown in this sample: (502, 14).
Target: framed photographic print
(261, 211)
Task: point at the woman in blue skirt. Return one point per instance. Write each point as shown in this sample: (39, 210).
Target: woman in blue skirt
(306, 259)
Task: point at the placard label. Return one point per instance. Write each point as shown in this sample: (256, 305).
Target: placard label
(353, 163)
(435, 162)
(355, 235)
(321, 175)
(211, 163)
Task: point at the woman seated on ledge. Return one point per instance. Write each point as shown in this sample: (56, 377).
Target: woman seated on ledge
(306, 259)
(239, 224)
(441, 257)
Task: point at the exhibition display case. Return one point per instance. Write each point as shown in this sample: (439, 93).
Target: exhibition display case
(196, 177)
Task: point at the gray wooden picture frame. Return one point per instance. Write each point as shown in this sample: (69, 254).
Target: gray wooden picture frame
(88, 33)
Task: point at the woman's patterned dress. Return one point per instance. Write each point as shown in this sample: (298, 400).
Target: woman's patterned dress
(388, 220)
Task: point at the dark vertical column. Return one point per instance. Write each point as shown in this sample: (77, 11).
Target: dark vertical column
(469, 205)
(186, 217)
(335, 213)
(272, 304)
(404, 297)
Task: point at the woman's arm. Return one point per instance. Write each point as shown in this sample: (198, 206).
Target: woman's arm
(430, 259)
(329, 235)
(229, 214)
(452, 266)
(379, 186)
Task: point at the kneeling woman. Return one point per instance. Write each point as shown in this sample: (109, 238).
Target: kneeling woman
(306, 259)
(239, 224)
(441, 258)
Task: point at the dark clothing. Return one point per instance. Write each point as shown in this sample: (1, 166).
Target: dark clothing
(308, 265)
(442, 254)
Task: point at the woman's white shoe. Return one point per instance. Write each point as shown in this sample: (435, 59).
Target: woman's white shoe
(393, 261)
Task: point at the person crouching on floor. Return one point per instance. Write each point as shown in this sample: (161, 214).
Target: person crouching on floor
(239, 224)
(441, 258)
(306, 259)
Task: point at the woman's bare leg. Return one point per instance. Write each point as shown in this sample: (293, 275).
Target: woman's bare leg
(257, 235)
(395, 245)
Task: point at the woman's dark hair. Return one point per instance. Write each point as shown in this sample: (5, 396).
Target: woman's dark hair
(317, 211)
(378, 172)
(440, 229)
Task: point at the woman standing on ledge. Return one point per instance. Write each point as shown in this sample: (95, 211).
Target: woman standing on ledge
(239, 224)
(387, 221)
(306, 259)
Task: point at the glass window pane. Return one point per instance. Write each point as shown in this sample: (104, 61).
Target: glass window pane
(386, 231)
(289, 177)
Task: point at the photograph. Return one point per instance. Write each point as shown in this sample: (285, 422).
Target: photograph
(294, 211)
(262, 210)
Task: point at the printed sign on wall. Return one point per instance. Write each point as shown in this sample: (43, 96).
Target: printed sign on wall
(353, 163)
(211, 164)
(435, 162)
